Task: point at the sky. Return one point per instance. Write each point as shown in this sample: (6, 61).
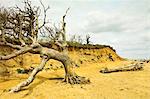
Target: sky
(122, 24)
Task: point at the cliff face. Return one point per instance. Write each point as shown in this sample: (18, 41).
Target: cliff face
(105, 54)
(79, 54)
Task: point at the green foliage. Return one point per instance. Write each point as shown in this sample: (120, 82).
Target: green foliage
(88, 46)
(22, 71)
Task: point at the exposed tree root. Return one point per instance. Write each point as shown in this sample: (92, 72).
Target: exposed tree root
(132, 67)
(21, 28)
(75, 79)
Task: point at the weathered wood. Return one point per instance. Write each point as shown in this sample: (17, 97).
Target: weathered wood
(46, 54)
(132, 67)
(26, 29)
(31, 77)
(70, 76)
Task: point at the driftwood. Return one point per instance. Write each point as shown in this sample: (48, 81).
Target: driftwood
(131, 67)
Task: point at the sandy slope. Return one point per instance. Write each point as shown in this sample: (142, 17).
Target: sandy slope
(121, 85)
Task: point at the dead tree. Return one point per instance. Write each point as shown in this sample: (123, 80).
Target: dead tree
(76, 39)
(58, 35)
(87, 39)
(132, 67)
(20, 31)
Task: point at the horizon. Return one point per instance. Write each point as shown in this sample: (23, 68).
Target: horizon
(122, 24)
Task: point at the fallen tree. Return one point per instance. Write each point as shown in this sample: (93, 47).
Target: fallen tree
(131, 67)
(22, 26)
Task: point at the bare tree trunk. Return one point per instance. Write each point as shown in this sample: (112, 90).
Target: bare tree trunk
(70, 76)
(31, 77)
(22, 25)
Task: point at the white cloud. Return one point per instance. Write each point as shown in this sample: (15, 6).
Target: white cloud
(123, 24)
(129, 33)
(99, 21)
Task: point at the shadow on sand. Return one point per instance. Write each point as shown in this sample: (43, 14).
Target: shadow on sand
(41, 80)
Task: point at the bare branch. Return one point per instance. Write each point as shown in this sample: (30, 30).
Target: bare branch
(15, 54)
(21, 26)
(10, 45)
(45, 10)
(31, 77)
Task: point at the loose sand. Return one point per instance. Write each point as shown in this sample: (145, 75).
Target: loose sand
(48, 85)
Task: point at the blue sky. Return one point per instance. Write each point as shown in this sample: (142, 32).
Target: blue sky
(123, 24)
